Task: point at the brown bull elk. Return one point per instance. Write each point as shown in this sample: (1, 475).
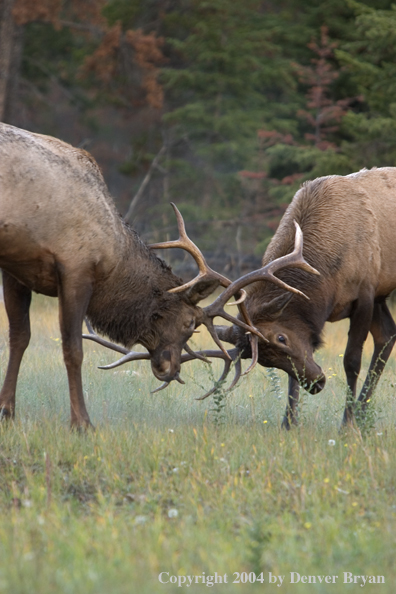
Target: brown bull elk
(60, 235)
(349, 227)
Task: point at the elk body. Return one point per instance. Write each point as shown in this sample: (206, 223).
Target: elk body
(349, 227)
(60, 235)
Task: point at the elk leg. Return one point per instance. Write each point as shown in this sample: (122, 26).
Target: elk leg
(73, 303)
(360, 322)
(291, 412)
(17, 300)
(383, 330)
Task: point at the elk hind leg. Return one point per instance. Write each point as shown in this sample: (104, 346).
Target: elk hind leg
(291, 412)
(17, 300)
(383, 330)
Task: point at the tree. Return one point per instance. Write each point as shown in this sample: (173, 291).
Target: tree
(370, 60)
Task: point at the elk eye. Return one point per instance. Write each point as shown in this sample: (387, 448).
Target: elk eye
(190, 325)
(156, 316)
(281, 339)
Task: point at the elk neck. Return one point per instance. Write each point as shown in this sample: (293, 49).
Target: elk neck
(125, 299)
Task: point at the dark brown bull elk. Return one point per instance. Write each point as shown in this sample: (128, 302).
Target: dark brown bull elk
(60, 235)
(350, 238)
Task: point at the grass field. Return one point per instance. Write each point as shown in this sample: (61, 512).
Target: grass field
(168, 485)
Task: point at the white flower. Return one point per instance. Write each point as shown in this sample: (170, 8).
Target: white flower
(173, 513)
(332, 442)
(140, 520)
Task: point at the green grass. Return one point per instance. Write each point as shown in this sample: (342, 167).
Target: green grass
(169, 484)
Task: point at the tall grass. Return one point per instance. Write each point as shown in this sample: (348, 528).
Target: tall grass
(162, 486)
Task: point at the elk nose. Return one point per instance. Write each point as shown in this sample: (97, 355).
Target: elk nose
(165, 367)
(318, 385)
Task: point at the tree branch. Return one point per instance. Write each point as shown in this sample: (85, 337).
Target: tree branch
(143, 185)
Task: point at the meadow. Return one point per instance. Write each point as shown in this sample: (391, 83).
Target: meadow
(169, 485)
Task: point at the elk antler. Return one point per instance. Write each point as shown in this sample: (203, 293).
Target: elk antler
(266, 273)
(185, 243)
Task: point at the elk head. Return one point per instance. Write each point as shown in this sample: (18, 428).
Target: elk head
(290, 337)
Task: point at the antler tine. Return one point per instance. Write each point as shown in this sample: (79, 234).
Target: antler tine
(131, 356)
(162, 387)
(196, 355)
(185, 243)
(241, 298)
(233, 353)
(254, 346)
(211, 329)
(215, 309)
(238, 373)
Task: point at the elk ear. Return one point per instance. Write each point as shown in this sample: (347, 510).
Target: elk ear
(272, 310)
(201, 289)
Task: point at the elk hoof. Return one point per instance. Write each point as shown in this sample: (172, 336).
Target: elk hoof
(82, 427)
(288, 423)
(348, 419)
(6, 414)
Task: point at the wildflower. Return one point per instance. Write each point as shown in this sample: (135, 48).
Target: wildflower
(307, 525)
(173, 513)
(326, 480)
(331, 442)
(171, 430)
(265, 422)
(140, 520)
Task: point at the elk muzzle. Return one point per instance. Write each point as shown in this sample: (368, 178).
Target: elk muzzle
(165, 364)
(312, 378)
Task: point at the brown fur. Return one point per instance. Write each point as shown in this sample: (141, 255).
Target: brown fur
(349, 228)
(60, 235)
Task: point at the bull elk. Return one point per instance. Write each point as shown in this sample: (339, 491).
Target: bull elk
(349, 227)
(60, 235)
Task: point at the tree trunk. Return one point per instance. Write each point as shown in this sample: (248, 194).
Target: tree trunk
(11, 44)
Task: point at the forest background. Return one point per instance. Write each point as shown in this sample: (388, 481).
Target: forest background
(222, 107)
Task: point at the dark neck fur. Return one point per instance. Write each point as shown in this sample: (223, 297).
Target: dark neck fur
(123, 303)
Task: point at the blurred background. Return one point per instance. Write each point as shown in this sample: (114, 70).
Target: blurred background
(222, 107)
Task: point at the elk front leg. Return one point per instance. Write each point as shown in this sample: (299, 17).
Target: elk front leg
(73, 303)
(291, 413)
(17, 300)
(360, 322)
(383, 330)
